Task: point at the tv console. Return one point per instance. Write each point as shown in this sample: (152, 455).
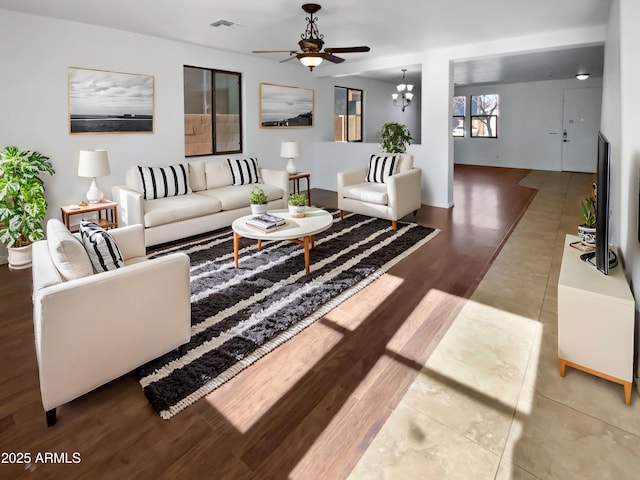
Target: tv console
(596, 315)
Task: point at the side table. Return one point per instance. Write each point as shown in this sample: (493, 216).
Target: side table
(109, 208)
(295, 178)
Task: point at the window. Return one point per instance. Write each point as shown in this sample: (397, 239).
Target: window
(459, 113)
(347, 124)
(484, 116)
(207, 91)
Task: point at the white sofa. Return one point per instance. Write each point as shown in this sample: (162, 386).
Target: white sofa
(214, 202)
(92, 329)
(392, 200)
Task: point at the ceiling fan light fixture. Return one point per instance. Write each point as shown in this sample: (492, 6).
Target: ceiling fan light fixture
(310, 60)
(582, 76)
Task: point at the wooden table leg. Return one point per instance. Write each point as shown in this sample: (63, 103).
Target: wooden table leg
(259, 244)
(236, 237)
(562, 365)
(306, 253)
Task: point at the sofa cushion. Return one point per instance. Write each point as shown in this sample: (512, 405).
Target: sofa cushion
(217, 174)
(244, 171)
(367, 192)
(405, 162)
(197, 177)
(381, 168)
(67, 252)
(102, 248)
(160, 182)
(233, 197)
(173, 209)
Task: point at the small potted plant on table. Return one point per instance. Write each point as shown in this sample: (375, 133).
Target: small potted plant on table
(258, 200)
(297, 205)
(587, 231)
(22, 202)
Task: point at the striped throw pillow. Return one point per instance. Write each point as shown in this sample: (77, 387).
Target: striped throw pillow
(244, 171)
(381, 168)
(160, 182)
(101, 247)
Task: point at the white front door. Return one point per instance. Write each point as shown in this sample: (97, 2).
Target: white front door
(580, 125)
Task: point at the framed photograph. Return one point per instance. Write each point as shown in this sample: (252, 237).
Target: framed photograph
(285, 107)
(110, 102)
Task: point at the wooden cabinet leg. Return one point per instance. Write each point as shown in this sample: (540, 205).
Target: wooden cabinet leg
(628, 387)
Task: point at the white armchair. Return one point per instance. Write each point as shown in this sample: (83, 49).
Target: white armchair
(399, 196)
(93, 329)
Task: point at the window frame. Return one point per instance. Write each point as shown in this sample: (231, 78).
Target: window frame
(486, 116)
(360, 115)
(463, 117)
(212, 90)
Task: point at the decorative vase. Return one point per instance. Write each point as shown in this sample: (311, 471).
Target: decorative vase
(297, 211)
(258, 208)
(19, 257)
(587, 235)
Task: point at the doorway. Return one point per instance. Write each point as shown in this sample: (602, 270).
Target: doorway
(580, 125)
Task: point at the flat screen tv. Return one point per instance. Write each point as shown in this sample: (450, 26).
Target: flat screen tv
(602, 206)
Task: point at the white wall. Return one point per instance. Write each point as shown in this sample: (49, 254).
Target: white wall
(529, 125)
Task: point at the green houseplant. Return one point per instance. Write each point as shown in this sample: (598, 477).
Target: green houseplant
(297, 205)
(395, 137)
(587, 231)
(258, 200)
(22, 202)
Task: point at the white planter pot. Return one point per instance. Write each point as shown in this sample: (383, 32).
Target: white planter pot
(297, 211)
(587, 234)
(19, 257)
(258, 209)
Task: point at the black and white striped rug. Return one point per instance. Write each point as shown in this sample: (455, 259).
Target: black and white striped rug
(239, 316)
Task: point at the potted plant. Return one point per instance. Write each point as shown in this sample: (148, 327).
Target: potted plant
(587, 231)
(258, 200)
(22, 202)
(297, 205)
(395, 137)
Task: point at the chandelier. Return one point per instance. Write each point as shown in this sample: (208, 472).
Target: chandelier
(403, 98)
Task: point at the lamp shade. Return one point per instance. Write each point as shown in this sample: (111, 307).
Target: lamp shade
(310, 59)
(289, 150)
(93, 163)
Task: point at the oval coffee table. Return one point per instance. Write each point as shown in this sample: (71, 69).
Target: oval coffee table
(297, 230)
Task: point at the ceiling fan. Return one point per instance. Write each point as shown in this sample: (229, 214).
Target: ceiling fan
(311, 43)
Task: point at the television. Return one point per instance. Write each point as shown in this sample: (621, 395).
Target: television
(604, 258)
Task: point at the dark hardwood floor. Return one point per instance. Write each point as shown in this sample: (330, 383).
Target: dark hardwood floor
(307, 410)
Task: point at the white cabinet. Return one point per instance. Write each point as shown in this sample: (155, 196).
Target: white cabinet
(595, 320)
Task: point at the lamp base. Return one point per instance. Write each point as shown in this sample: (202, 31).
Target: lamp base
(291, 168)
(94, 194)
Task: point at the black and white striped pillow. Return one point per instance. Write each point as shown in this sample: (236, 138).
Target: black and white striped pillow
(160, 182)
(101, 247)
(244, 171)
(381, 168)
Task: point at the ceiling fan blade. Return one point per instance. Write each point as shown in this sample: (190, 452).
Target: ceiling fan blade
(287, 59)
(332, 58)
(346, 49)
(290, 52)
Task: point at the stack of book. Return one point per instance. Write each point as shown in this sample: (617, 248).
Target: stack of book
(266, 223)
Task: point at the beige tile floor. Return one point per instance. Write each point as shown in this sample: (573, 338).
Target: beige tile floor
(489, 403)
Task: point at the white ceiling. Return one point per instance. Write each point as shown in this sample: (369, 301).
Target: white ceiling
(389, 28)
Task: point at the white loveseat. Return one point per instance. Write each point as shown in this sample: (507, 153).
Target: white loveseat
(91, 328)
(214, 201)
(392, 199)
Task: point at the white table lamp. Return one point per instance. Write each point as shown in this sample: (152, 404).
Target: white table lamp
(92, 164)
(290, 150)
